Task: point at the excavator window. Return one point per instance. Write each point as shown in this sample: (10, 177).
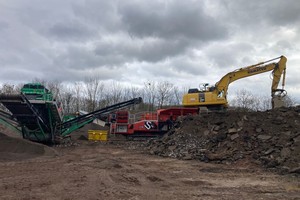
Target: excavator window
(221, 93)
(193, 90)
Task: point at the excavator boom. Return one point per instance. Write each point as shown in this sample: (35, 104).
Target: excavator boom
(215, 97)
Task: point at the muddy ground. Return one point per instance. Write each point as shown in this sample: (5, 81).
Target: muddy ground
(222, 156)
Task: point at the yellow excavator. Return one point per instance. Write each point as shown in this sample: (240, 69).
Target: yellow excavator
(215, 97)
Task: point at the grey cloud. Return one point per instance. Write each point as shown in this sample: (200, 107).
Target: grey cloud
(230, 55)
(261, 13)
(189, 66)
(150, 50)
(284, 47)
(54, 20)
(17, 74)
(70, 75)
(160, 71)
(173, 19)
(154, 52)
(78, 57)
(69, 30)
(3, 25)
(283, 44)
(103, 15)
(283, 12)
(176, 67)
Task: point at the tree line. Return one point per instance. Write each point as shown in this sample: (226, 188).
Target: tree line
(92, 94)
(245, 100)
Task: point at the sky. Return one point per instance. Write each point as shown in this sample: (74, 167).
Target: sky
(187, 43)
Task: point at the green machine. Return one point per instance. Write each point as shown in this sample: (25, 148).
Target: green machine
(41, 117)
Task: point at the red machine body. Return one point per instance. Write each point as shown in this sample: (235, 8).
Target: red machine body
(147, 123)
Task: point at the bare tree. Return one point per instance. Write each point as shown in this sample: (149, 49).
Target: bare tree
(178, 94)
(78, 94)
(150, 93)
(247, 101)
(9, 89)
(54, 87)
(132, 92)
(68, 99)
(116, 92)
(289, 101)
(113, 93)
(255, 104)
(265, 103)
(164, 93)
(18, 87)
(145, 105)
(244, 100)
(93, 88)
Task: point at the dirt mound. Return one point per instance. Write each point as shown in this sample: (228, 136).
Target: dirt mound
(270, 138)
(13, 149)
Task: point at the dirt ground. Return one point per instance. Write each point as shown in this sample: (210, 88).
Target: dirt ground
(113, 171)
(232, 155)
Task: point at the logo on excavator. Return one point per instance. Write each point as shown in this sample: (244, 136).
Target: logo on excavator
(250, 71)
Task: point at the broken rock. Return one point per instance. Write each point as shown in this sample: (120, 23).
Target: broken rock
(264, 137)
(234, 136)
(232, 130)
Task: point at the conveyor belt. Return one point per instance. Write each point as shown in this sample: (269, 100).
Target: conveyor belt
(97, 113)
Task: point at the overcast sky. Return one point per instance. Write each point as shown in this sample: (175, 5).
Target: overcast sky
(185, 42)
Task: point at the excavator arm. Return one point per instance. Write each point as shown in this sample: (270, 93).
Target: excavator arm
(216, 96)
(276, 93)
(278, 70)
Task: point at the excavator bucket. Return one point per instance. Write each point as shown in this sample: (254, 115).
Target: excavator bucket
(278, 96)
(277, 102)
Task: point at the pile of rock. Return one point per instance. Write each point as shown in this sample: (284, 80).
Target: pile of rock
(270, 138)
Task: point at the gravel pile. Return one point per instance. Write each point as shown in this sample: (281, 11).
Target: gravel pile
(16, 149)
(270, 138)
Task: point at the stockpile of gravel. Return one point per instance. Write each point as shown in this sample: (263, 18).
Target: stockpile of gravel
(14, 149)
(270, 138)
